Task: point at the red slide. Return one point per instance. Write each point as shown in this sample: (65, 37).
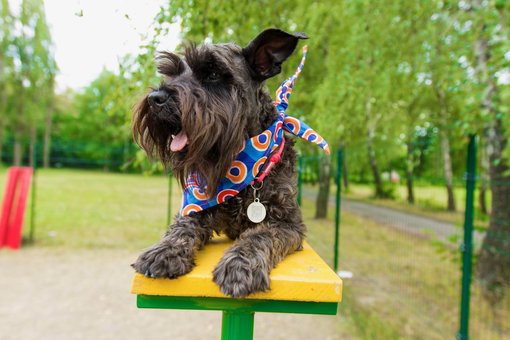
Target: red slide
(13, 208)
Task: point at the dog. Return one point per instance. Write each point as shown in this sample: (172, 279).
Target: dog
(210, 104)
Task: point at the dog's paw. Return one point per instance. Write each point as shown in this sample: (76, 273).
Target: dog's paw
(164, 261)
(239, 276)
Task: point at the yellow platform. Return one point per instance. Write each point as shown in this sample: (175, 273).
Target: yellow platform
(302, 276)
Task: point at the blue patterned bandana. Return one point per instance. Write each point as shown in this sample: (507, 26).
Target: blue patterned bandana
(254, 153)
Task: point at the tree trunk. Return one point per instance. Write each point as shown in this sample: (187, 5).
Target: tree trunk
(32, 158)
(494, 260)
(410, 173)
(345, 174)
(17, 151)
(447, 167)
(18, 125)
(484, 179)
(493, 264)
(47, 137)
(379, 192)
(321, 206)
(445, 149)
(1, 142)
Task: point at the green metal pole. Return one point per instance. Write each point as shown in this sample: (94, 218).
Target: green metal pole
(237, 325)
(32, 203)
(337, 207)
(169, 207)
(300, 180)
(467, 246)
(32, 208)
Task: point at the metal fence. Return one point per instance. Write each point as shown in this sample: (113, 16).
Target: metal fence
(411, 268)
(73, 154)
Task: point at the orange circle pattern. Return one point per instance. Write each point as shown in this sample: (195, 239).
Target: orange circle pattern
(241, 168)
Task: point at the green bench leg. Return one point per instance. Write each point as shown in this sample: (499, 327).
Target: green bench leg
(237, 325)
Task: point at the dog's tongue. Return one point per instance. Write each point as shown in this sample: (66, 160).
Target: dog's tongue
(179, 141)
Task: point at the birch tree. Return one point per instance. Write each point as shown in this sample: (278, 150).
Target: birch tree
(6, 69)
(491, 38)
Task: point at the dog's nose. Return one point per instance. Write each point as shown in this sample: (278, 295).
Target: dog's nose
(158, 97)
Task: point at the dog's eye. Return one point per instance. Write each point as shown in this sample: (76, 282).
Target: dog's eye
(213, 76)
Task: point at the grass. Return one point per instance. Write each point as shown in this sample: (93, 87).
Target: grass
(403, 286)
(96, 210)
(394, 290)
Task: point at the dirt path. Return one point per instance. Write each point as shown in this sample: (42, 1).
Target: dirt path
(409, 223)
(402, 221)
(52, 293)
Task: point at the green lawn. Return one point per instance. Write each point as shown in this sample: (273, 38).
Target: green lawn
(403, 286)
(95, 209)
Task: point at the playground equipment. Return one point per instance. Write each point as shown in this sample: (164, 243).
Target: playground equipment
(301, 283)
(13, 208)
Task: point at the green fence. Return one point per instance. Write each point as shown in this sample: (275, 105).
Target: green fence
(413, 266)
(74, 154)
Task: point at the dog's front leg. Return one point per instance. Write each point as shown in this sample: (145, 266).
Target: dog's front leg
(245, 267)
(174, 255)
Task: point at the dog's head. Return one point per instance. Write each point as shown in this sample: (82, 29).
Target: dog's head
(209, 102)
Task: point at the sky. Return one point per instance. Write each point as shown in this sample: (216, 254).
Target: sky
(90, 35)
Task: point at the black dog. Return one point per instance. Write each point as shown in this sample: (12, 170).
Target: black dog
(207, 105)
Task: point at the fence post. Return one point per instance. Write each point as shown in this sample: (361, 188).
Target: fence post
(33, 198)
(337, 207)
(467, 246)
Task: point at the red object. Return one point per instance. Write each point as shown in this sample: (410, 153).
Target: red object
(275, 158)
(13, 208)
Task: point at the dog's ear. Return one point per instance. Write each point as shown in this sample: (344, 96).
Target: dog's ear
(266, 53)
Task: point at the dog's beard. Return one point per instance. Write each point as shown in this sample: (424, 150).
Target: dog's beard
(215, 134)
(202, 137)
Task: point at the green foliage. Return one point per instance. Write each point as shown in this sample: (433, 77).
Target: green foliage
(37, 68)
(397, 58)
(6, 64)
(92, 128)
(27, 71)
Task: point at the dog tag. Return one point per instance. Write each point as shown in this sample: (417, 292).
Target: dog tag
(256, 211)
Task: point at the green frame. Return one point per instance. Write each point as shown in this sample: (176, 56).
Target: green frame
(238, 314)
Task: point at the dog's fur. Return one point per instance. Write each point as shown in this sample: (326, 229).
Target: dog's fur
(216, 95)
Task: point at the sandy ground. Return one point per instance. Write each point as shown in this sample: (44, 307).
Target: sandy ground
(49, 293)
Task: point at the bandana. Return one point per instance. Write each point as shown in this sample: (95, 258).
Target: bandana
(254, 154)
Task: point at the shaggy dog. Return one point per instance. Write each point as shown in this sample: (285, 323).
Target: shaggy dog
(210, 104)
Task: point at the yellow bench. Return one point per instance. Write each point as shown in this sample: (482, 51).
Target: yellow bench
(301, 283)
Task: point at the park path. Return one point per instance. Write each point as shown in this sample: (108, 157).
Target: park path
(410, 223)
(405, 222)
(55, 293)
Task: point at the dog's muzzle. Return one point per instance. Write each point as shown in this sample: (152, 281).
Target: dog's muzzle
(163, 105)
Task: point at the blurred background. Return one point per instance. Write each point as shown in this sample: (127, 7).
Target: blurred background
(398, 88)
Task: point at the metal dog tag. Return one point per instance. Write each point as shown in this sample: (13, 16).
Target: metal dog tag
(256, 211)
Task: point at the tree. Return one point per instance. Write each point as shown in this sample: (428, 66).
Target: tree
(98, 122)
(491, 39)
(33, 81)
(443, 50)
(410, 92)
(6, 68)
(42, 78)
